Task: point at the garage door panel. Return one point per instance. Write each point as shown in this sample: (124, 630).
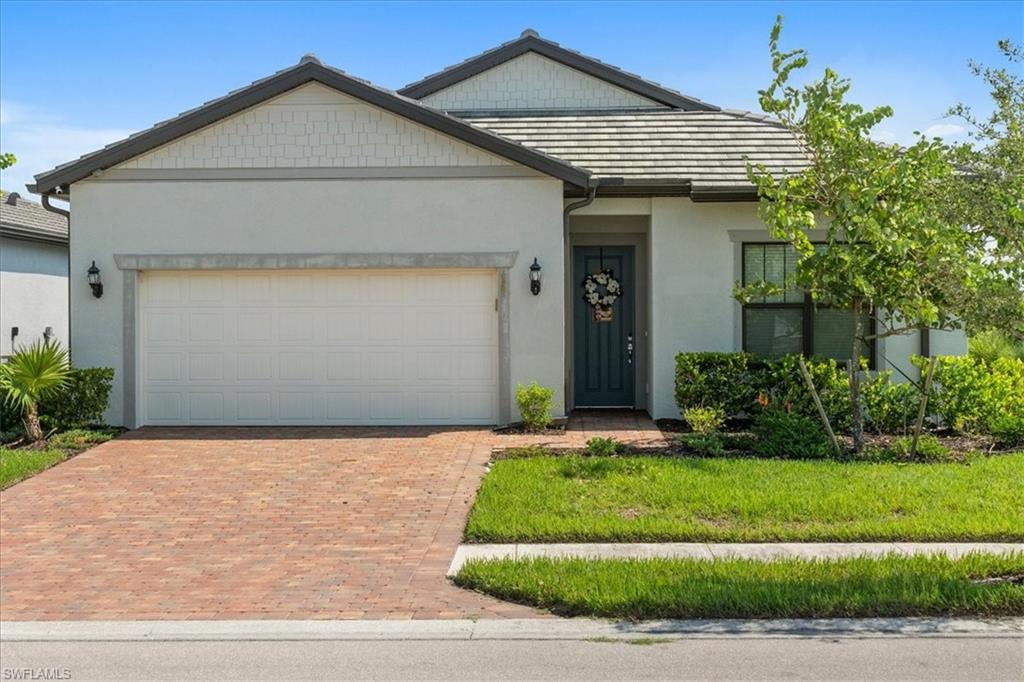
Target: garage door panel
(318, 347)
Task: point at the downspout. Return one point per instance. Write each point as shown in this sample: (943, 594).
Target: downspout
(67, 216)
(567, 351)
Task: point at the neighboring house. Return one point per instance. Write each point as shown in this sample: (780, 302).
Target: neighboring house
(314, 249)
(33, 274)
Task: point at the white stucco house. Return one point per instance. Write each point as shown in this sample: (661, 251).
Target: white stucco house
(315, 249)
(33, 274)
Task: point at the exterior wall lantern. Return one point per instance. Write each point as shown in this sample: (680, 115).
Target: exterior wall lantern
(535, 277)
(94, 280)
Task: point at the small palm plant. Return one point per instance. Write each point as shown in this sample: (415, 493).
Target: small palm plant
(31, 374)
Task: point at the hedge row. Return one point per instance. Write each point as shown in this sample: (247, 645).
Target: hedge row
(81, 402)
(969, 394)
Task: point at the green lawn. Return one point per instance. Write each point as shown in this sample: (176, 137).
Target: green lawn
(743, 588)
(651, 499)
(17, 464)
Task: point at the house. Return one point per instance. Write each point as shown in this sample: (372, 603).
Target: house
(33, 274)
(315, 249)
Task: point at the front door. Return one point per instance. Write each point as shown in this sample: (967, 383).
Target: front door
(604, 343)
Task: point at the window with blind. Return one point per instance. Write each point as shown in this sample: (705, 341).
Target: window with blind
(790, 322)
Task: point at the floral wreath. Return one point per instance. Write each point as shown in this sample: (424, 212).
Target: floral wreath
(591, 290)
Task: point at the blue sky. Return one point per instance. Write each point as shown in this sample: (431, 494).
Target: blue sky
(75, 76)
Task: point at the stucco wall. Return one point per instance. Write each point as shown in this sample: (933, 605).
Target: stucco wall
(695, 263)
(33, 291)
(532, 81)
(323, 216)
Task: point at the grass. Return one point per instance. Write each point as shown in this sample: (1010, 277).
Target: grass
(651, 499)
(744, 588)
(17, 464)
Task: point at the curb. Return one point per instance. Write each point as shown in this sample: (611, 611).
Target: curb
(764, 551)
(580, 629)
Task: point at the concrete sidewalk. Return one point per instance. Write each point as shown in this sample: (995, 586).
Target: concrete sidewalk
(511, 629)
(704, 550)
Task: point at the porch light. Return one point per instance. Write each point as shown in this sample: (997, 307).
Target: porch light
(94, 280)
(535, 277)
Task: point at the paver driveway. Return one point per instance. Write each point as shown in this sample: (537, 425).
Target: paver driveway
(246, 523)
(226, 523)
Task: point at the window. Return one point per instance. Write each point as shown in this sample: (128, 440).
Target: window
(790, 322)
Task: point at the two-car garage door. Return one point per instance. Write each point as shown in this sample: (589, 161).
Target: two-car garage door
(318, 347)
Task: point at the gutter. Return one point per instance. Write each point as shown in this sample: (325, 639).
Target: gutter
(67, 216)
(591, 195)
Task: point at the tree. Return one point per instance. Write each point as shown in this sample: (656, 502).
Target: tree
(988, 196)
(891, 250)
(7, 160)
(30, 375)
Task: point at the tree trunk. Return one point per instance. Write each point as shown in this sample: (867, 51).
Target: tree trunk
(33, 429)
(856, 409)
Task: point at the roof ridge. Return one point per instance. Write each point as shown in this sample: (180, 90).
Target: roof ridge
(530, 41)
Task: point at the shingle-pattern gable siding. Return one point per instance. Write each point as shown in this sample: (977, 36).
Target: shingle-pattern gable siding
(532, 81)
(709, 149)
(314, 127)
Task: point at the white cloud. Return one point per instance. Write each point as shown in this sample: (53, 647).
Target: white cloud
(886, 136)
(41, 140)
(944, 130)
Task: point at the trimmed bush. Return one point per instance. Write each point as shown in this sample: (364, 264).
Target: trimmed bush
(600, 446)
(1008, 430)
(703, 444)
(535, 405)
(790, 435)
(970, 394)
(704, 420)
(787, 389)
(890, 407)
(721, 380)
(81, 401)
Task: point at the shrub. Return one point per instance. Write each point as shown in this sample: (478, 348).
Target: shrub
(722, 380)
(991, 345)
(890, 407)
(599, 446)
(535, 405)
(703, 444)
(1008, 430)
(33, 373)
(790, 434)
(77, 439)
(788, 390)
(970, 394)
(81, 401)
(704, 420)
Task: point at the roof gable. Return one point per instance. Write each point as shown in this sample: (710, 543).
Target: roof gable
(534, 82)
(306, 71)
(530, 42)
(314, 126)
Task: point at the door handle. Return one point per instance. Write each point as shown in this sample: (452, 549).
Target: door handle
(629, 348)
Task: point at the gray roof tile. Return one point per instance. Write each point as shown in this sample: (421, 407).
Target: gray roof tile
(29, 218)
(707, 149)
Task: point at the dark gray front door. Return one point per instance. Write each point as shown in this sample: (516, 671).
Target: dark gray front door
(603, 339)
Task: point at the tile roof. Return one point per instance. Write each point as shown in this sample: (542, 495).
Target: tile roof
(308, 69)
(20, 217)
(706, 149)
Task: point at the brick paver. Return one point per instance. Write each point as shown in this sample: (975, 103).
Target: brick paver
(225, 523)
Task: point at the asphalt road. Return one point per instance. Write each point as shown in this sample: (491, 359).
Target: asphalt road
(748, 658)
